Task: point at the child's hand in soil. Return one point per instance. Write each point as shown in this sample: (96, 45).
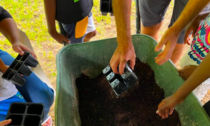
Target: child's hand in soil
(5, 122)
(166, 106)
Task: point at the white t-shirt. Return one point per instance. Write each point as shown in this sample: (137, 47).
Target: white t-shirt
(7, 89)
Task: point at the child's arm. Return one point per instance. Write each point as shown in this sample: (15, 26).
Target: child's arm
(5, 122)
(9, 29)
(170, 37)
(50, 11)
(193, 26)
(3, 67)
(200, 74)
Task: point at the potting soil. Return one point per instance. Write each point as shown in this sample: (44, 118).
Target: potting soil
(99, 105)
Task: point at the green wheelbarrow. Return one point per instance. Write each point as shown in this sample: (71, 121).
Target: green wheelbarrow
(90, 58)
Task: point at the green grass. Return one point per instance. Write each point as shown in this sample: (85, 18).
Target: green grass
(30, 18)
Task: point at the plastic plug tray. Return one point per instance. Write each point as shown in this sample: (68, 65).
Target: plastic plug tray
(20, 66)
(25, 114)
(120, 83)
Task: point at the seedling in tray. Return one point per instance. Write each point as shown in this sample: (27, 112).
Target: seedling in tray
(25, 114)
(20, 66)
(120, 83)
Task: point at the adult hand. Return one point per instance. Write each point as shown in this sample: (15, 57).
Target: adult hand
(5, 122)
(169, 39)
(59, 37)
(166, 106)
(120, 58)
(191, 28)
(20, 48)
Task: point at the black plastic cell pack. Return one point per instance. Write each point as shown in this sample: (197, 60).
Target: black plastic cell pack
(120, 83)
(20, 66)
(106, 7)
(25, 114)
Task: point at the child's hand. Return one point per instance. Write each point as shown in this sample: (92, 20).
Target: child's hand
(169, 39)
(60, 38)
(191, 28)
(20, 48)
(5, 122)
(166, 106)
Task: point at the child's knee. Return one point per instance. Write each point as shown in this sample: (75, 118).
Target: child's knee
(47, 96)
(51, 96)
(92, 34)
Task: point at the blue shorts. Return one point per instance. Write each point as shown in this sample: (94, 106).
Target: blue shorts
(70, 31)
(5, 104)
(34, 90)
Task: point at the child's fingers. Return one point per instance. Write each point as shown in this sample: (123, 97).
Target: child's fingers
(160, 105)
(5, 122)
(171, 111)
(160, 45)
(19, 50)
(166, 113)
(188, 41)
(24, 48)
(187, 35)
(194, 32)
(162, 109)
(160, 54)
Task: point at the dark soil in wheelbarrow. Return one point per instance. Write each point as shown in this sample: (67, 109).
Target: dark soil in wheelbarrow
(99, 106)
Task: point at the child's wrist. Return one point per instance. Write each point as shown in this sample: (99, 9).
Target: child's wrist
(177, 97)
(52, 31)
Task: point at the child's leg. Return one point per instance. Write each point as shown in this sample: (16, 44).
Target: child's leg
(5, 104)
(34, 90)
(70, 31)
(91, 29)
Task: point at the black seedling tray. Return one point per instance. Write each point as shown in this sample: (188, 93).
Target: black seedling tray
(25, 114)
(20, 66)
(120, 83)
(106, 7)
